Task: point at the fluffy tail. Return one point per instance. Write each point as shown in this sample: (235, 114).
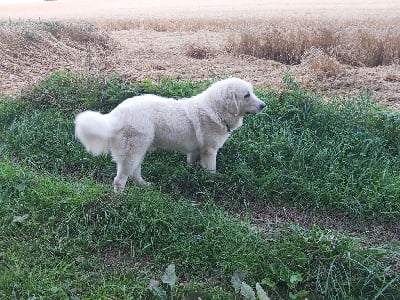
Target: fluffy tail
(94, 130)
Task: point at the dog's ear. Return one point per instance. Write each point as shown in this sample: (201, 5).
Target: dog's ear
(231, 101)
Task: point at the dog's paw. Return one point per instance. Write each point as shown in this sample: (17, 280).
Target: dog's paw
(117, 189)
(146, 184)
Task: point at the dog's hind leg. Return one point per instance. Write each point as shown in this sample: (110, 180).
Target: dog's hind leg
(124, 169)
(137, 175)
(129, 166)
(191, 158)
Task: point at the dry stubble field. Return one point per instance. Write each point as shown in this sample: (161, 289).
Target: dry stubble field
(331, 47)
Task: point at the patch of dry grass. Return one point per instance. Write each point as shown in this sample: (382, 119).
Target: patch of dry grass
(321, 64)
(74, 33)
(326, 55)
(168, 25)
(198, 51)
(357, 44)
(30, 50)
(366, 43)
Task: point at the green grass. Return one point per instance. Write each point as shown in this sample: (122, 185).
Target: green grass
(342, 155)
(65, 234)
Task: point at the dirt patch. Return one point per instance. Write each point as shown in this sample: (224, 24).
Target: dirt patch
(375, 233)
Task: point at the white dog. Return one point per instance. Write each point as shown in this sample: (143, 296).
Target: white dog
(198, 126)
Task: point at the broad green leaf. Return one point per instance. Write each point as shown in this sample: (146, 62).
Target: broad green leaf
(294, 278)
(247, 291)
(169, 276)
(261, 294)
(159, 292)
(237, 279)
(302, 294)
(268, 282)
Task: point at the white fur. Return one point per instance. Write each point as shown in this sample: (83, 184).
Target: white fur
(198, 126)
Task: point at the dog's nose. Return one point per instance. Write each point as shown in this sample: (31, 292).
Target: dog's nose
(262, 106)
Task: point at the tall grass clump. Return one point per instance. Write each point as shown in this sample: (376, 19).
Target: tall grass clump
(71, 92)
(356, 44)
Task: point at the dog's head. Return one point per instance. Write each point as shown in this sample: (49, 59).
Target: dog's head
(238, 97)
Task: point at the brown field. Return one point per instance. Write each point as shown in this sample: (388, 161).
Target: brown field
(331, 47)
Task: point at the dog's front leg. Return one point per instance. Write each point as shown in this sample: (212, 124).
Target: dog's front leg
(208, 159)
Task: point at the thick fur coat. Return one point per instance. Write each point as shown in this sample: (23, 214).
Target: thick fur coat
(197, 126)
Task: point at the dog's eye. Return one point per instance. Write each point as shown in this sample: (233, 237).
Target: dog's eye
(247, 95)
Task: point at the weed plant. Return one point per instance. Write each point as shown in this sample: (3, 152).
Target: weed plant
(65, 234)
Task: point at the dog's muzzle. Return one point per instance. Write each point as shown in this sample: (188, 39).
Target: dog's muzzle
(257, 108)
(260, 108)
